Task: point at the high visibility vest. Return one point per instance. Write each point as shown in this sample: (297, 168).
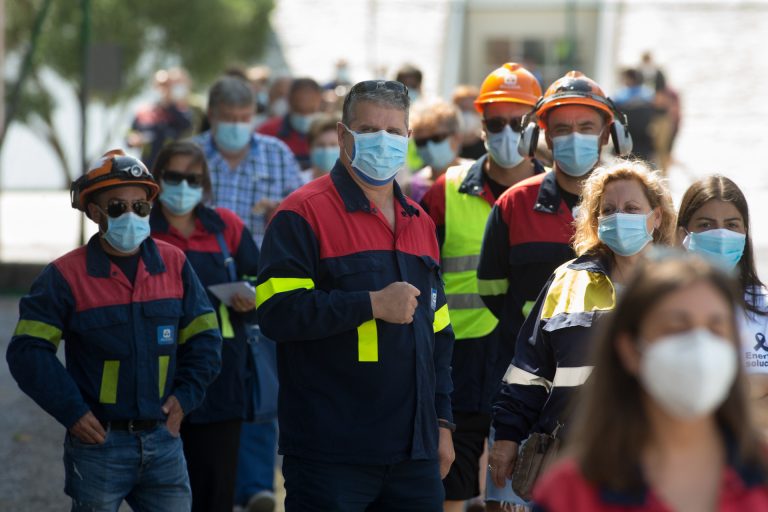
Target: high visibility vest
(465, 219)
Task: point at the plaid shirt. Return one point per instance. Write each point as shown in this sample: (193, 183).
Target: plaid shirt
(269, 171)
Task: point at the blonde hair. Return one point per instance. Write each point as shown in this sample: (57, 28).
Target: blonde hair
(586, 239)
(437, 115)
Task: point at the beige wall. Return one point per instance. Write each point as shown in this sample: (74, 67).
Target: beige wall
(493, 22)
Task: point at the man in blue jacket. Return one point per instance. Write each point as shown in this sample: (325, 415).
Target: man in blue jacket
(349, 288)
(142, 344)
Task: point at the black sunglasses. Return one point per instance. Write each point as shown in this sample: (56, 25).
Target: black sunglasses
(176, 177)
(116, 208)
(372, 85)
(497, 124)
(437, 139)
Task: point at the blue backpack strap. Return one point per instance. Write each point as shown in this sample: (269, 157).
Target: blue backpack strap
(229, 261)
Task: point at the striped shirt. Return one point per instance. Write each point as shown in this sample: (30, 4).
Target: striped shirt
(268, 172)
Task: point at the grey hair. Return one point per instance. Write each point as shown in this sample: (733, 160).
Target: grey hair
(386, 98)
(230, 91)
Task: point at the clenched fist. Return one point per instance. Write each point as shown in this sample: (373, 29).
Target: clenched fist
(396, 303)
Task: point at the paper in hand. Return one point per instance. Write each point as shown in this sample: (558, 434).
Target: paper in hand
(225, 291)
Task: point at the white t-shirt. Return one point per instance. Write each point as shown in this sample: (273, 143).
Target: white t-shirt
(754, 334)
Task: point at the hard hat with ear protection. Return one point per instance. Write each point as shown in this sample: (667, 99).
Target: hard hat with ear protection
(575, 89)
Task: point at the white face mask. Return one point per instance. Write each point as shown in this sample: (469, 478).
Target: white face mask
(689, 374)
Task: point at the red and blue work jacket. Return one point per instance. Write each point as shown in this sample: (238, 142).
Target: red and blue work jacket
(229, 396)
(527, 237)
(354, 389)
(128, 346)
(297, 142)
(564, 488)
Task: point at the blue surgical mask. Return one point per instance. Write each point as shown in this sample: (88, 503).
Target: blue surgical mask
(722, 247)
(181, 198)
(324, 158)
(502, 147)
(378, 156)
(127, 232)
(625, 234)
(300, 123)
(232, 137)
(576, 154)
(437, 155)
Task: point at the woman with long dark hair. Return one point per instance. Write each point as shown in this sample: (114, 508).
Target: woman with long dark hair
(663, 423)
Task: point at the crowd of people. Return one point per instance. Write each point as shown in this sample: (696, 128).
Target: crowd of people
(427, 301)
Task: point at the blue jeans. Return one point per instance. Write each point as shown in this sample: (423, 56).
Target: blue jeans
(408, 486)
(256, 460)
(146, 469)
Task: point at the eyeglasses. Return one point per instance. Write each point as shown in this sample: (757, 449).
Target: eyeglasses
(116, 208)
(497, 124)
(422, 141)
(176, 177)
(372, 85)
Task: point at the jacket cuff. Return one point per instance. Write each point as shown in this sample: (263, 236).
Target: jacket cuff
(443, 407)
(508, 433)
(70, 416)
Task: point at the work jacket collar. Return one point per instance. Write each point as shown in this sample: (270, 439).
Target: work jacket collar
(592, 262)
(98, 263)
(548, 200)
(740, 473)
(353, 196)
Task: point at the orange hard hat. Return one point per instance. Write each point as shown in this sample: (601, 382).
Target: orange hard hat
(574, 88)
(113, 169)
(511, 83)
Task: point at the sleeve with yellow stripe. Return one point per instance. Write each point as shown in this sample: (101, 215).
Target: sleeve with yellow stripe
(290, 305)
(31, 355)
(199, 352)
(492, 278)
(528, 381)
(442, 356)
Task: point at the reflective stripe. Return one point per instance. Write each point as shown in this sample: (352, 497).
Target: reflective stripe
(40, 330)
(578, 291)
(442, 319)
(368, 342)
(275, 285)
(465, 301)
(108, 391)
(227, 331)
(527, 307)
(571, 377)
(489, 287)
(515, 375)
(162, 376)
(460, 263)
(200, 324)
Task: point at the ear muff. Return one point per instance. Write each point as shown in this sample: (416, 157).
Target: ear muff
(529, 139)
(620, 136)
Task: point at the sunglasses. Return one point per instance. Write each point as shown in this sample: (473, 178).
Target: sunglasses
(422, 141)
(497, 124)
(116, 208)
(176, 177)
(372, 85)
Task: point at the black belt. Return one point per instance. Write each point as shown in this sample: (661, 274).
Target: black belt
(130, 425)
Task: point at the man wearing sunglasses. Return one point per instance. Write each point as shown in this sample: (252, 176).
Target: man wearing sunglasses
(142, 345)
(459, 203)
(350, 290)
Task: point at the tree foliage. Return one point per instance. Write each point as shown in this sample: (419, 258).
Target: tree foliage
(205, 36)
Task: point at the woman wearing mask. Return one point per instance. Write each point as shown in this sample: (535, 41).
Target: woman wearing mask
(664, 422)
(323, 145)
(625, 209)
(438, 141)
(714, 222)
(209, 238)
